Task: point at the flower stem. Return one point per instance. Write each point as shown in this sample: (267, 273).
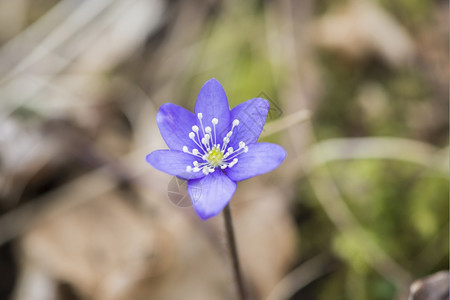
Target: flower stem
(233, 252)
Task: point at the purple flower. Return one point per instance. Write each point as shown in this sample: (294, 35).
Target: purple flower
(215, 147)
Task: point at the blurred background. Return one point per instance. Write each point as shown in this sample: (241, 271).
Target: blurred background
(359, 99)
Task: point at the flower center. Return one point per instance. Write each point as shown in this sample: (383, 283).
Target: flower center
(215, 156)
(212, 153)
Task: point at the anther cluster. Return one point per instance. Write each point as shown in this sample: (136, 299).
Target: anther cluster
(213, 154)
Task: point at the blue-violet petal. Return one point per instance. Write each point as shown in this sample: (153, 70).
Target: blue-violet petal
(260, 158)
(212, 102)
(211, 194)
(175, 124)
(252, 115)
(174, 163)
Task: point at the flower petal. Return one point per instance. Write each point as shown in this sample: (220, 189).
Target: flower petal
(175, 123)
(260, 158)
(212, 102)
(252, 116)
(211, 194)
(174, 163)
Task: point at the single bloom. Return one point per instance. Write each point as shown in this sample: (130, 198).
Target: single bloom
(214, 148)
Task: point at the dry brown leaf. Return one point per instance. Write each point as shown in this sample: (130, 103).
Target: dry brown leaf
(362, 28)
(433, 287)
(109, 250)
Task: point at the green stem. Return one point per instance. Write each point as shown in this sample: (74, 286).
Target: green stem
(233, 252)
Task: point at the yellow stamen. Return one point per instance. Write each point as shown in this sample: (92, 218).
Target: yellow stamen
(215, 156)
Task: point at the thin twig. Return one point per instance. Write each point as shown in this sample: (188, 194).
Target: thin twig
(394, 148)
(286, 122)
(301, 276)
(233, 251)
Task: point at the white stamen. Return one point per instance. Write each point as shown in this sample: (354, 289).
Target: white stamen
(200, 117)
(231, 164)
(205, 141)
(213, 154)
(214, 122)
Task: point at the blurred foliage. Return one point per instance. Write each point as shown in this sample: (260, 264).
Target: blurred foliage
(234, 49)
(403, 207)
